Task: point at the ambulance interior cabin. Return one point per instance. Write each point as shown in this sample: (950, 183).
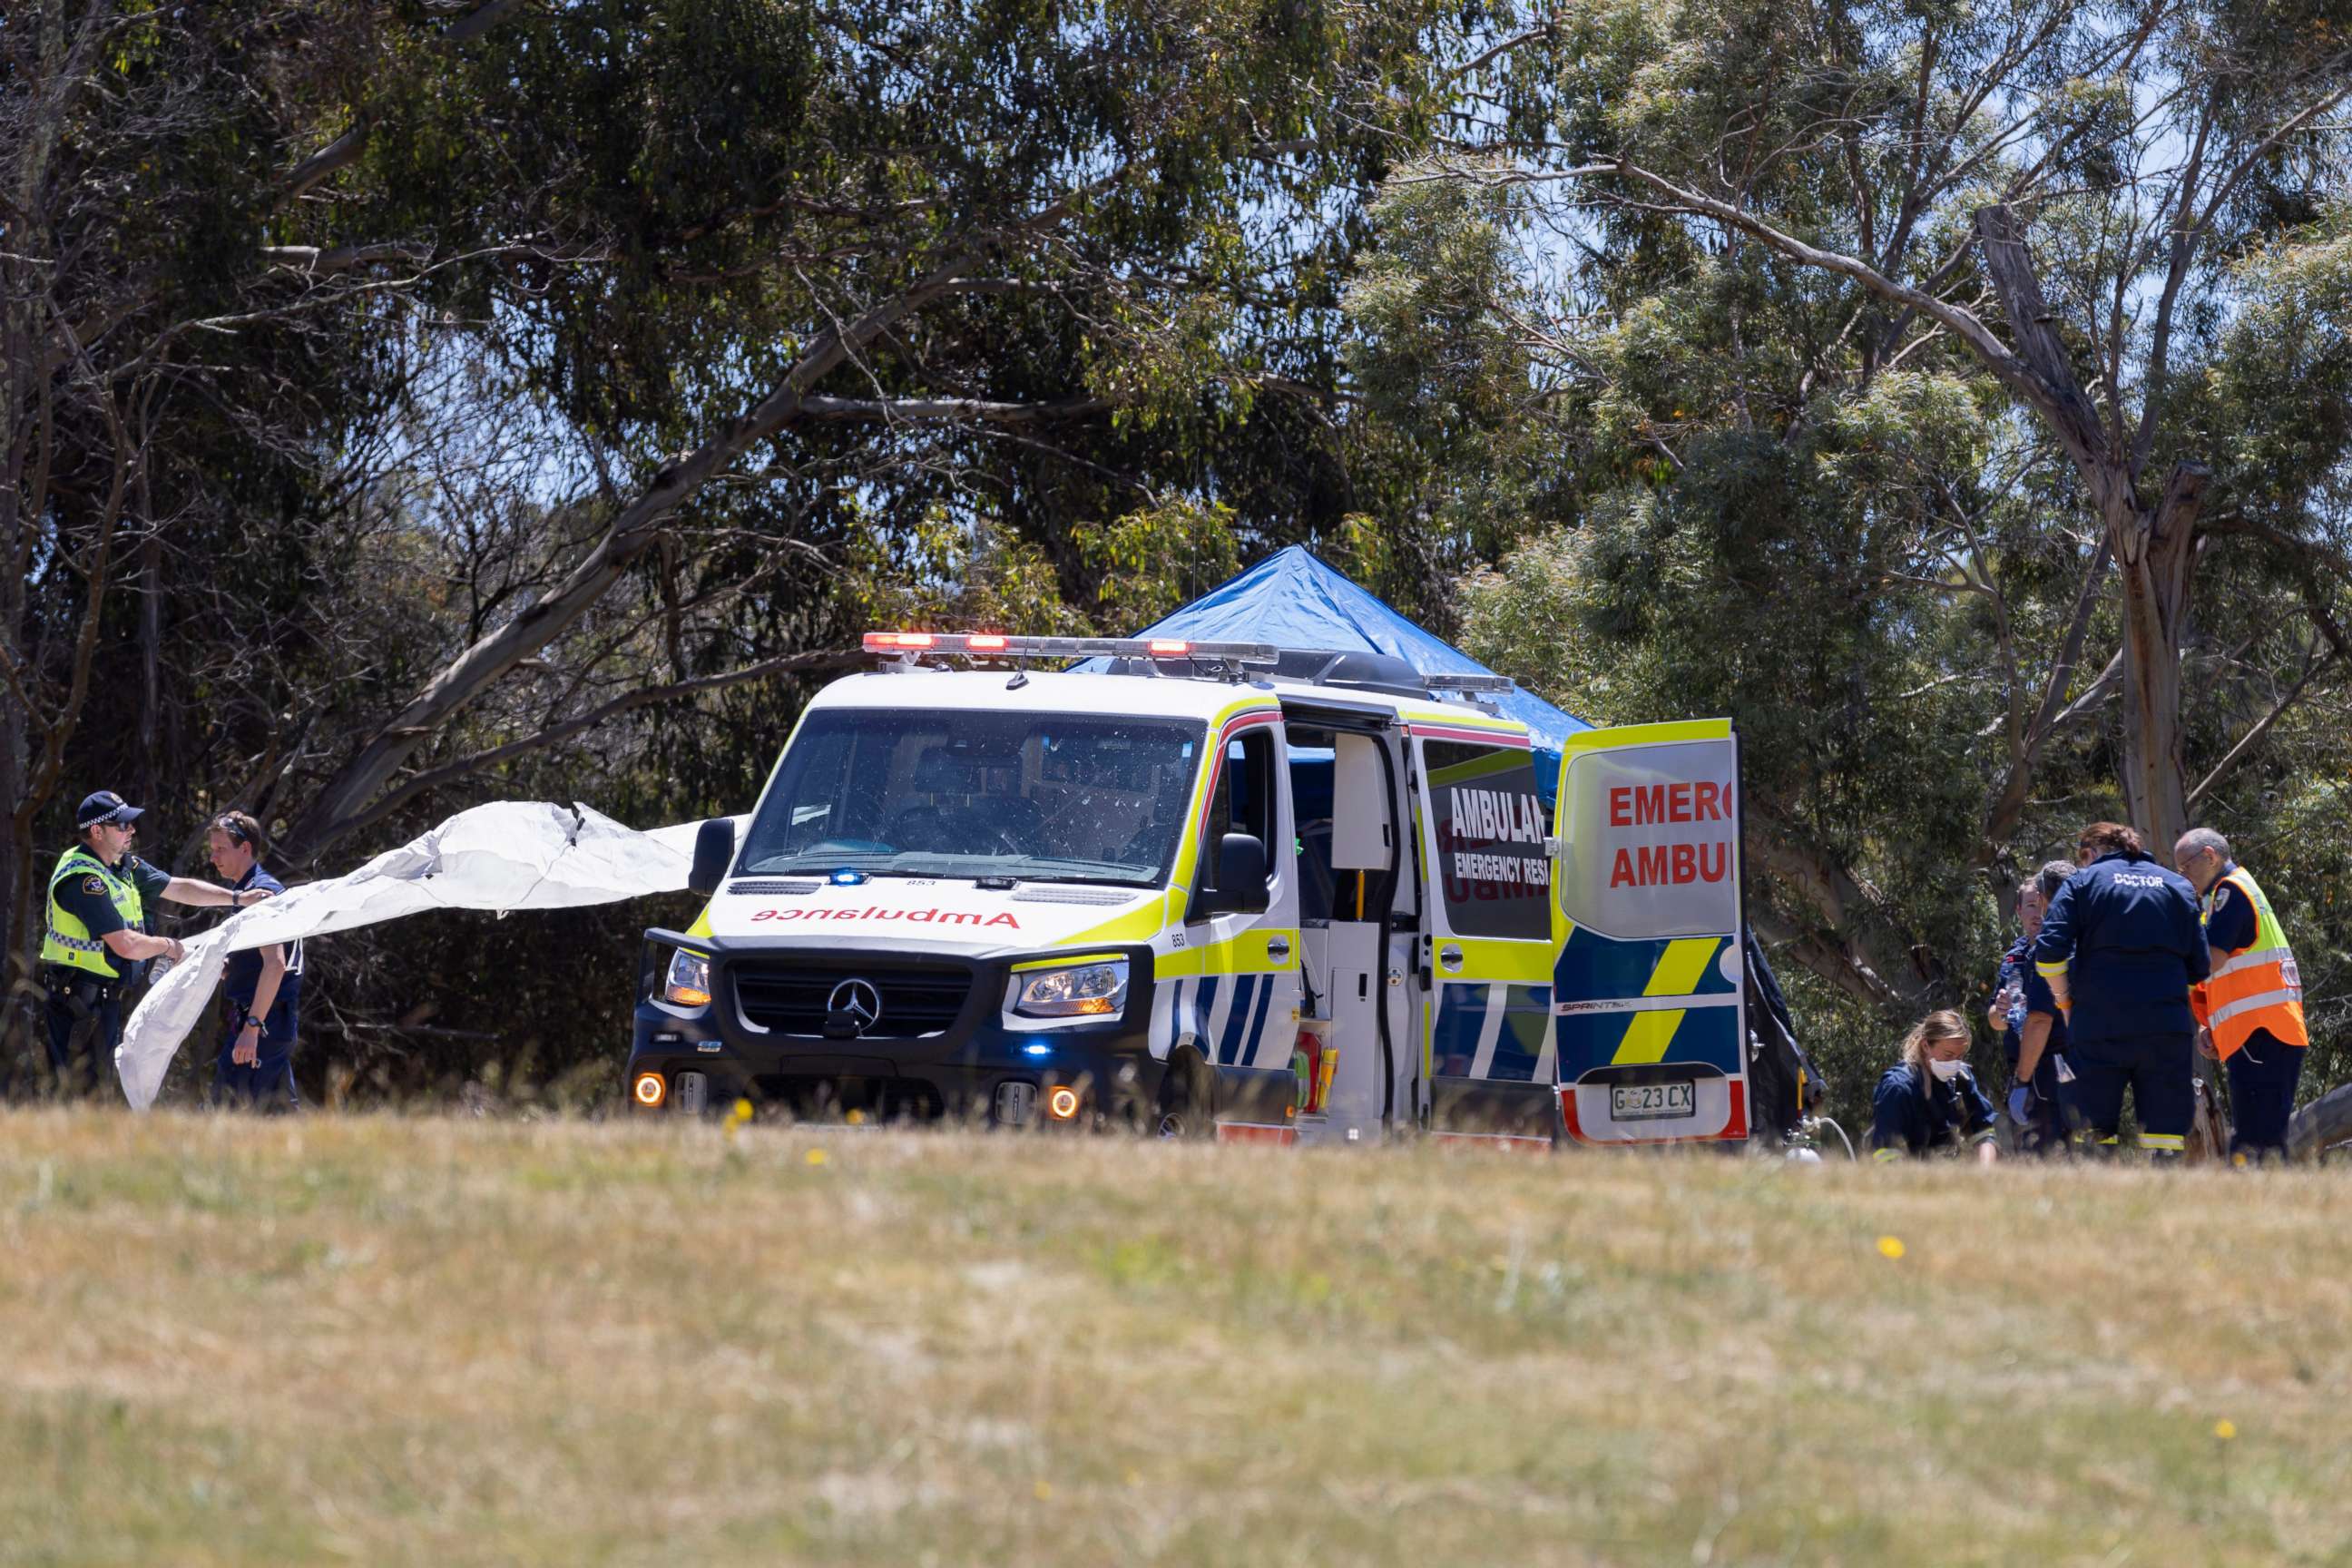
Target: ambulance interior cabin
(1081, 797)
(1345, 791)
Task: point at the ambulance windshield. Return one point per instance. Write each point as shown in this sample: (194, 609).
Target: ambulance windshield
(1041, 796)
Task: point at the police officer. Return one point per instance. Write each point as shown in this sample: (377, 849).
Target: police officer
(2120, 948)
(1929, 1099)
(2034, 1030)
(95, 938)
(261, 987)
(2251, 1007)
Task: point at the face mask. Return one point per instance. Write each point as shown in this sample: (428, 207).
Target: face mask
(1946, 1069)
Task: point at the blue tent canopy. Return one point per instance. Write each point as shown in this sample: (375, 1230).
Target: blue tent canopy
(1295, 600)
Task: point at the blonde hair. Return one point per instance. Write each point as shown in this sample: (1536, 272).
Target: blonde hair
(1944, 1025)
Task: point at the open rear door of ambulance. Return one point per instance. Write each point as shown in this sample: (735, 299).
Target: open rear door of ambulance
(1650, 1016)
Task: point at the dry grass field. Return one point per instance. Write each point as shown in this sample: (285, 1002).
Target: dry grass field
(436, 1342)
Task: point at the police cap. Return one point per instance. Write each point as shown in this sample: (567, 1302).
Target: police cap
(105, 806)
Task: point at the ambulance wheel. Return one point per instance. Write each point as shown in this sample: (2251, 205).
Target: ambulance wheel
(2323, 1129)
(1188, 1098)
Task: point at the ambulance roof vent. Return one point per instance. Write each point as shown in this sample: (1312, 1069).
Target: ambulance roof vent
(1352, 670)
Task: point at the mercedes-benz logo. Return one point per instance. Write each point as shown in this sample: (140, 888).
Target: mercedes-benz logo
(858, 1000)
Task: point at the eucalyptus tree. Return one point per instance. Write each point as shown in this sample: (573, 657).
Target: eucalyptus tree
(794, 275)
(1914, 365)
(398, 394)
(166, 384)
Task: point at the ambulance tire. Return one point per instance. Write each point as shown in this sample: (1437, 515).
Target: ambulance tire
(2321, 1131)
(1188, 1100)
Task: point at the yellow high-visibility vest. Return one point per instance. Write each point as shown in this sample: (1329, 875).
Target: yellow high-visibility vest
(68, 941)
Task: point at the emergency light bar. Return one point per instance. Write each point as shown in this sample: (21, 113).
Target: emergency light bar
(914, 645)
(1471, 682)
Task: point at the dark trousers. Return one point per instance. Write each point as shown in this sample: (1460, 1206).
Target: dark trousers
(2158, 1070)
(2052, 1121)
(267, 1085)
(2263, 1073)
(85, 1016)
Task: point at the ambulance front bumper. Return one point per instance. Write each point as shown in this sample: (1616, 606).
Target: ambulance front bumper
(887, 1032)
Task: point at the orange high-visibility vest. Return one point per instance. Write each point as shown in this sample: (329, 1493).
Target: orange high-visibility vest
(2259, 987)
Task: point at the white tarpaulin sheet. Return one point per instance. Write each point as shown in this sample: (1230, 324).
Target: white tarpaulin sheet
(514, 855)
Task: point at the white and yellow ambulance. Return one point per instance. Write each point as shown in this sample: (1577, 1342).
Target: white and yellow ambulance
(1212, 889)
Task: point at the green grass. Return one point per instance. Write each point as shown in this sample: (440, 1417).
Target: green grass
(437, 1342)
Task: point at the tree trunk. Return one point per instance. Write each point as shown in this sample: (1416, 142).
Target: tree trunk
(15, 971)
(150, 652)
(2154, 552)
(2153, 546)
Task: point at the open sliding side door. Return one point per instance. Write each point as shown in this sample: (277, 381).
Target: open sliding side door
(1650, 1019)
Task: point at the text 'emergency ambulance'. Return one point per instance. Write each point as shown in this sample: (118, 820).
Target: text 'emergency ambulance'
(1657, 865)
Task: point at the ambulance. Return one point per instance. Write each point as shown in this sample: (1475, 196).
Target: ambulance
(1213, 889)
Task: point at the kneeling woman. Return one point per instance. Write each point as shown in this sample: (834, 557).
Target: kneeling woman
(1929, 1101)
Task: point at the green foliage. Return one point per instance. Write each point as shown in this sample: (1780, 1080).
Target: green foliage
(1736, 481)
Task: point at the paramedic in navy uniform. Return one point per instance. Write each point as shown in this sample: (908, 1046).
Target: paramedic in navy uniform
(2040, 1080)
(1929, 1101)
(261, 987)
(2120, 948)
(2040, 1102)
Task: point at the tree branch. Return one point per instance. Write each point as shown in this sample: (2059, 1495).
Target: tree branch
(2067, 416)
(2001, 239)
(2253, 737)
(2008, 801)
(1824, 958)
(2095, 695)
(631, 532)
(1482, 61)
(312, 261)
(643, 697)
(346, 149)
(1842, 901)
(919, 410)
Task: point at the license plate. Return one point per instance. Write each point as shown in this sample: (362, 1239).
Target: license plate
(1648, 1102)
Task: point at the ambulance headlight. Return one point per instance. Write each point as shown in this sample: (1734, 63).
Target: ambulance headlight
(1098, 989)
(688, 985)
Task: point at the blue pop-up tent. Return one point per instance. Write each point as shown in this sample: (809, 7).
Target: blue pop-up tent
(1295, 600)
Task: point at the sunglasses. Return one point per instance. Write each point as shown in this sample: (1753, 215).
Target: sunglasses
(234, 828)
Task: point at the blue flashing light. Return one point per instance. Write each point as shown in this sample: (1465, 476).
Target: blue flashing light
(1037, 1048)
(848, 877)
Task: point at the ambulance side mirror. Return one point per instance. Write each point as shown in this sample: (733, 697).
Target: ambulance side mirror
(714, 849)
(1241, 876)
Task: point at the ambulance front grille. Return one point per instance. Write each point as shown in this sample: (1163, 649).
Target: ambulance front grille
(772, 888)
(1072, 896)
(795, 999)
